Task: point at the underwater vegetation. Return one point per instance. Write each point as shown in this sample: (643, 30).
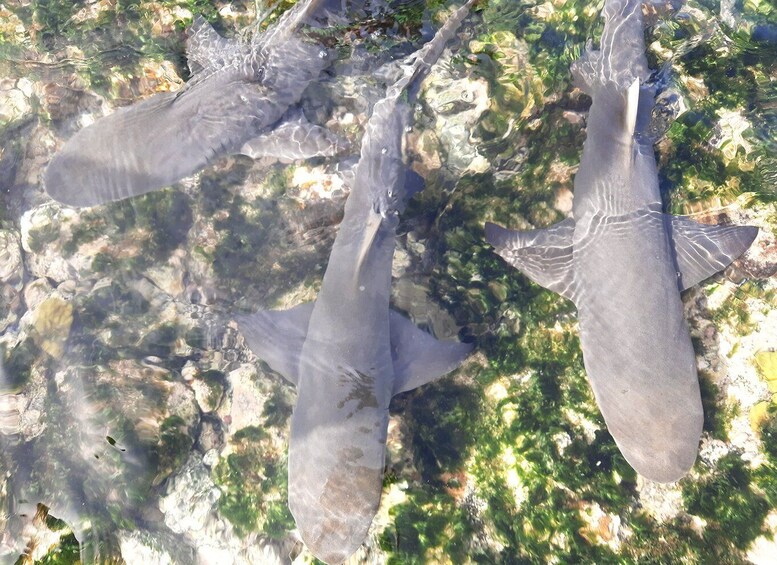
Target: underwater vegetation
(508, 460)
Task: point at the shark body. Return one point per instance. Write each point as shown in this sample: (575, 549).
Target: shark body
(237, 101)
(623, 262)
(348, 353)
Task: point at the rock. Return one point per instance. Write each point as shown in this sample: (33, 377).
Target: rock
(35, 292)
(600, 527)
(10, 258)
(169, 276)
(662, 501)
(564, 200)
(10, 306)
(52, 320)
(44, 229)
(189, 498)
(14, 99)
(211, 439)
(729, 136)
(189, 505)
(245, 403)
(760, 261)
(208, 390)
(71, 104)
(458, 104)
(764, 548)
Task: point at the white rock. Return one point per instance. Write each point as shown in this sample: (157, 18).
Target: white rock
(137, 550)
(35, 292)
(14, 103)
(10, 256)
(453, 129)
(245, 404)
(663, 501)
(44, 229)
(190, 498)
(763, 551)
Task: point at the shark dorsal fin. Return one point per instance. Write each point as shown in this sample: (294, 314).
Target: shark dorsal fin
(632, 106)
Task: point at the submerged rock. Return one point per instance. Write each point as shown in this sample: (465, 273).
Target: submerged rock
(10, 258)
(52, 320)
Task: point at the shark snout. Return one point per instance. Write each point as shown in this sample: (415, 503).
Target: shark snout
(334, 510)
(332, 535)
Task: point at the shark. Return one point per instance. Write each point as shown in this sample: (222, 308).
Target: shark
(623, 262)
(347, 353)
(241, 99)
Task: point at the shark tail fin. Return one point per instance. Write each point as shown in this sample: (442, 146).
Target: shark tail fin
(544, 255)
(424, 58)
(419, 357)
(621, 55)
(277, 337)
(702, 250)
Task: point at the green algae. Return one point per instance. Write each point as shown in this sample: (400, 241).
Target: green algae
(172, 449)
(717, 415)
(277, 408)
(18, 362)
(214, 380)
(735, 311)
(428, 520)
(734, 511)
(253, 484)
(67, 552)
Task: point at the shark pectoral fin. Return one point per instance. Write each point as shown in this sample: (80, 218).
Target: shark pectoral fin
(585, 70)
(545, 255)
(276, 337)
(419, 357)
(295, 138)
(702, 250)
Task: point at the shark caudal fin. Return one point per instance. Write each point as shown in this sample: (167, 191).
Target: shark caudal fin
(620, 59)
(544, 255)
(419, 357)
(702, 250)
(277, 336)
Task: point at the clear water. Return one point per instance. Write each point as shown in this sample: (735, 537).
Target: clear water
(133, 416)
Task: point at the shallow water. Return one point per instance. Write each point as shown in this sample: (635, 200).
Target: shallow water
(133, 415)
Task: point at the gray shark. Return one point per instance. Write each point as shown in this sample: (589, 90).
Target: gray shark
(623, 262)
(348, 353)
(236, 102)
